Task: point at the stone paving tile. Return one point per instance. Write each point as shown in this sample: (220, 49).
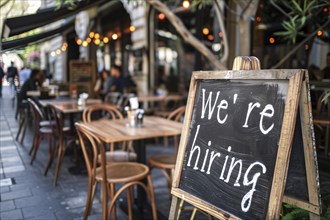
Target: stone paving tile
(37, 212)
(4, 189)
(13, 214)
(7, 205)
(16, 194)
(13, 169)
(49, 216)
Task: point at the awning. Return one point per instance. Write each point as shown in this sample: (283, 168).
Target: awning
(18, 25)
(43, 36)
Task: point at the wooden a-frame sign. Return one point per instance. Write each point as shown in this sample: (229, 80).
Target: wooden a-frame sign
(235, 148)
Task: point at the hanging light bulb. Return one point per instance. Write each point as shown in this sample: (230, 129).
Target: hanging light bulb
(115, 36)
(186, 4)
(131, 28)
(84, 43)
(105, 40)
(97, 41)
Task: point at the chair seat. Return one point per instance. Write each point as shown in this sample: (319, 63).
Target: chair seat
(48, 123)
(123, 172)
(163, 161)
(119, 156)
(46, 130)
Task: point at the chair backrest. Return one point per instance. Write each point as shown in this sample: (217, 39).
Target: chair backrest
(177, 114)
(37, 113)
(104, 111)
(112, 98)
(323, 105)
(56, 119)
(92, 148)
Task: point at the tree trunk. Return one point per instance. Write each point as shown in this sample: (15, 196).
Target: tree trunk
(185, 33)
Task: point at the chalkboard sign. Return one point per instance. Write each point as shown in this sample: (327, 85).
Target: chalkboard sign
(82, 76)
(236, 142)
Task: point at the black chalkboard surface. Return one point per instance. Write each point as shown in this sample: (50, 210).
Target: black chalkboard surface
(231, 152)
(236, 141)
(296, 183)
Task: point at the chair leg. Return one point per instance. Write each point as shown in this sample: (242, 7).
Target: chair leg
(152, 198)
(35, 148)
(22, 121)
(112, 195)
(34, 142)
(24, 130)
(90, 197)
(60, 155)
(129, 202)
(51, 154)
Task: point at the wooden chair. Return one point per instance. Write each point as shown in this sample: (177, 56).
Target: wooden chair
(126, 153)
(166, 162)
(63, 134)
(321, 122)
(109, 174)
(42, 130)
(22, 113)
(112, 98)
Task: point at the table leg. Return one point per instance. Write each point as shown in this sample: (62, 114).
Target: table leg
(140, 150)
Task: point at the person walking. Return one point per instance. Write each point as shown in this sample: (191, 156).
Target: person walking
(24, 74)
(2, 74)
(12, 73)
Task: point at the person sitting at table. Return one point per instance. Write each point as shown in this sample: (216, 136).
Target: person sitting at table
(103, 83)
(120, 83)
(36, 79)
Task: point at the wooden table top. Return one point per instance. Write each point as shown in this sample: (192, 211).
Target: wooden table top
(36, 93)
(68, 105)
(118, 130)
(158, 98)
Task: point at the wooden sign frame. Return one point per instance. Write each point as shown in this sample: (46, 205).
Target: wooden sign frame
(296, 97)
(88, 83)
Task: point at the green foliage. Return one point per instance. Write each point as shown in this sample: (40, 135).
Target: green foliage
(71, 4)
(326, 216)
(290, 212)
(292, 28)
(200, 3)
(302, 11)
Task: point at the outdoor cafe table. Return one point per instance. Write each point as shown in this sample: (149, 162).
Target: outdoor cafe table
(111, 131)
(37, 93)
(71, 107)
(162, 99)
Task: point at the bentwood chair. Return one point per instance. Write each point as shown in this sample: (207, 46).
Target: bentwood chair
(128, 174)
(42, 129)
(126, 153)
(166, 162)
(321, 120)
(63, 135)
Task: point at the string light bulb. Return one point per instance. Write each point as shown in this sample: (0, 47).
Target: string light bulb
(91, 34)
(115, 36)
(131, 28)
(161, 16)
(79, 41)
(186, 4)
(105, 40)
(97, 36)
(84, 43)
(206, 31)
(97, 41)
